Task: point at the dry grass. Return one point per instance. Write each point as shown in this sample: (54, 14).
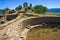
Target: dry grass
(43, 34)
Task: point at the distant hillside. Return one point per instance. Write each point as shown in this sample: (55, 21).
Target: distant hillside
(0, 11)
(54, 10)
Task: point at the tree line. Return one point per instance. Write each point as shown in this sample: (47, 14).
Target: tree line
(37, 9)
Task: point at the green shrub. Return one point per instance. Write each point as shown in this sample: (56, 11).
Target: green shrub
(48, 31)
(58, 27)
(43, 31)
(39, 33)
(55, 29)
(40, 9)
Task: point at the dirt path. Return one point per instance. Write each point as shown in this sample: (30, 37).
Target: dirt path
(13, 30)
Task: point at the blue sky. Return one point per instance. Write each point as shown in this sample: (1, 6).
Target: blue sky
(14, 3)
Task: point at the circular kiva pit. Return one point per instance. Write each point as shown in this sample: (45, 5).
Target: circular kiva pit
(43, 33)
(37, 24)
